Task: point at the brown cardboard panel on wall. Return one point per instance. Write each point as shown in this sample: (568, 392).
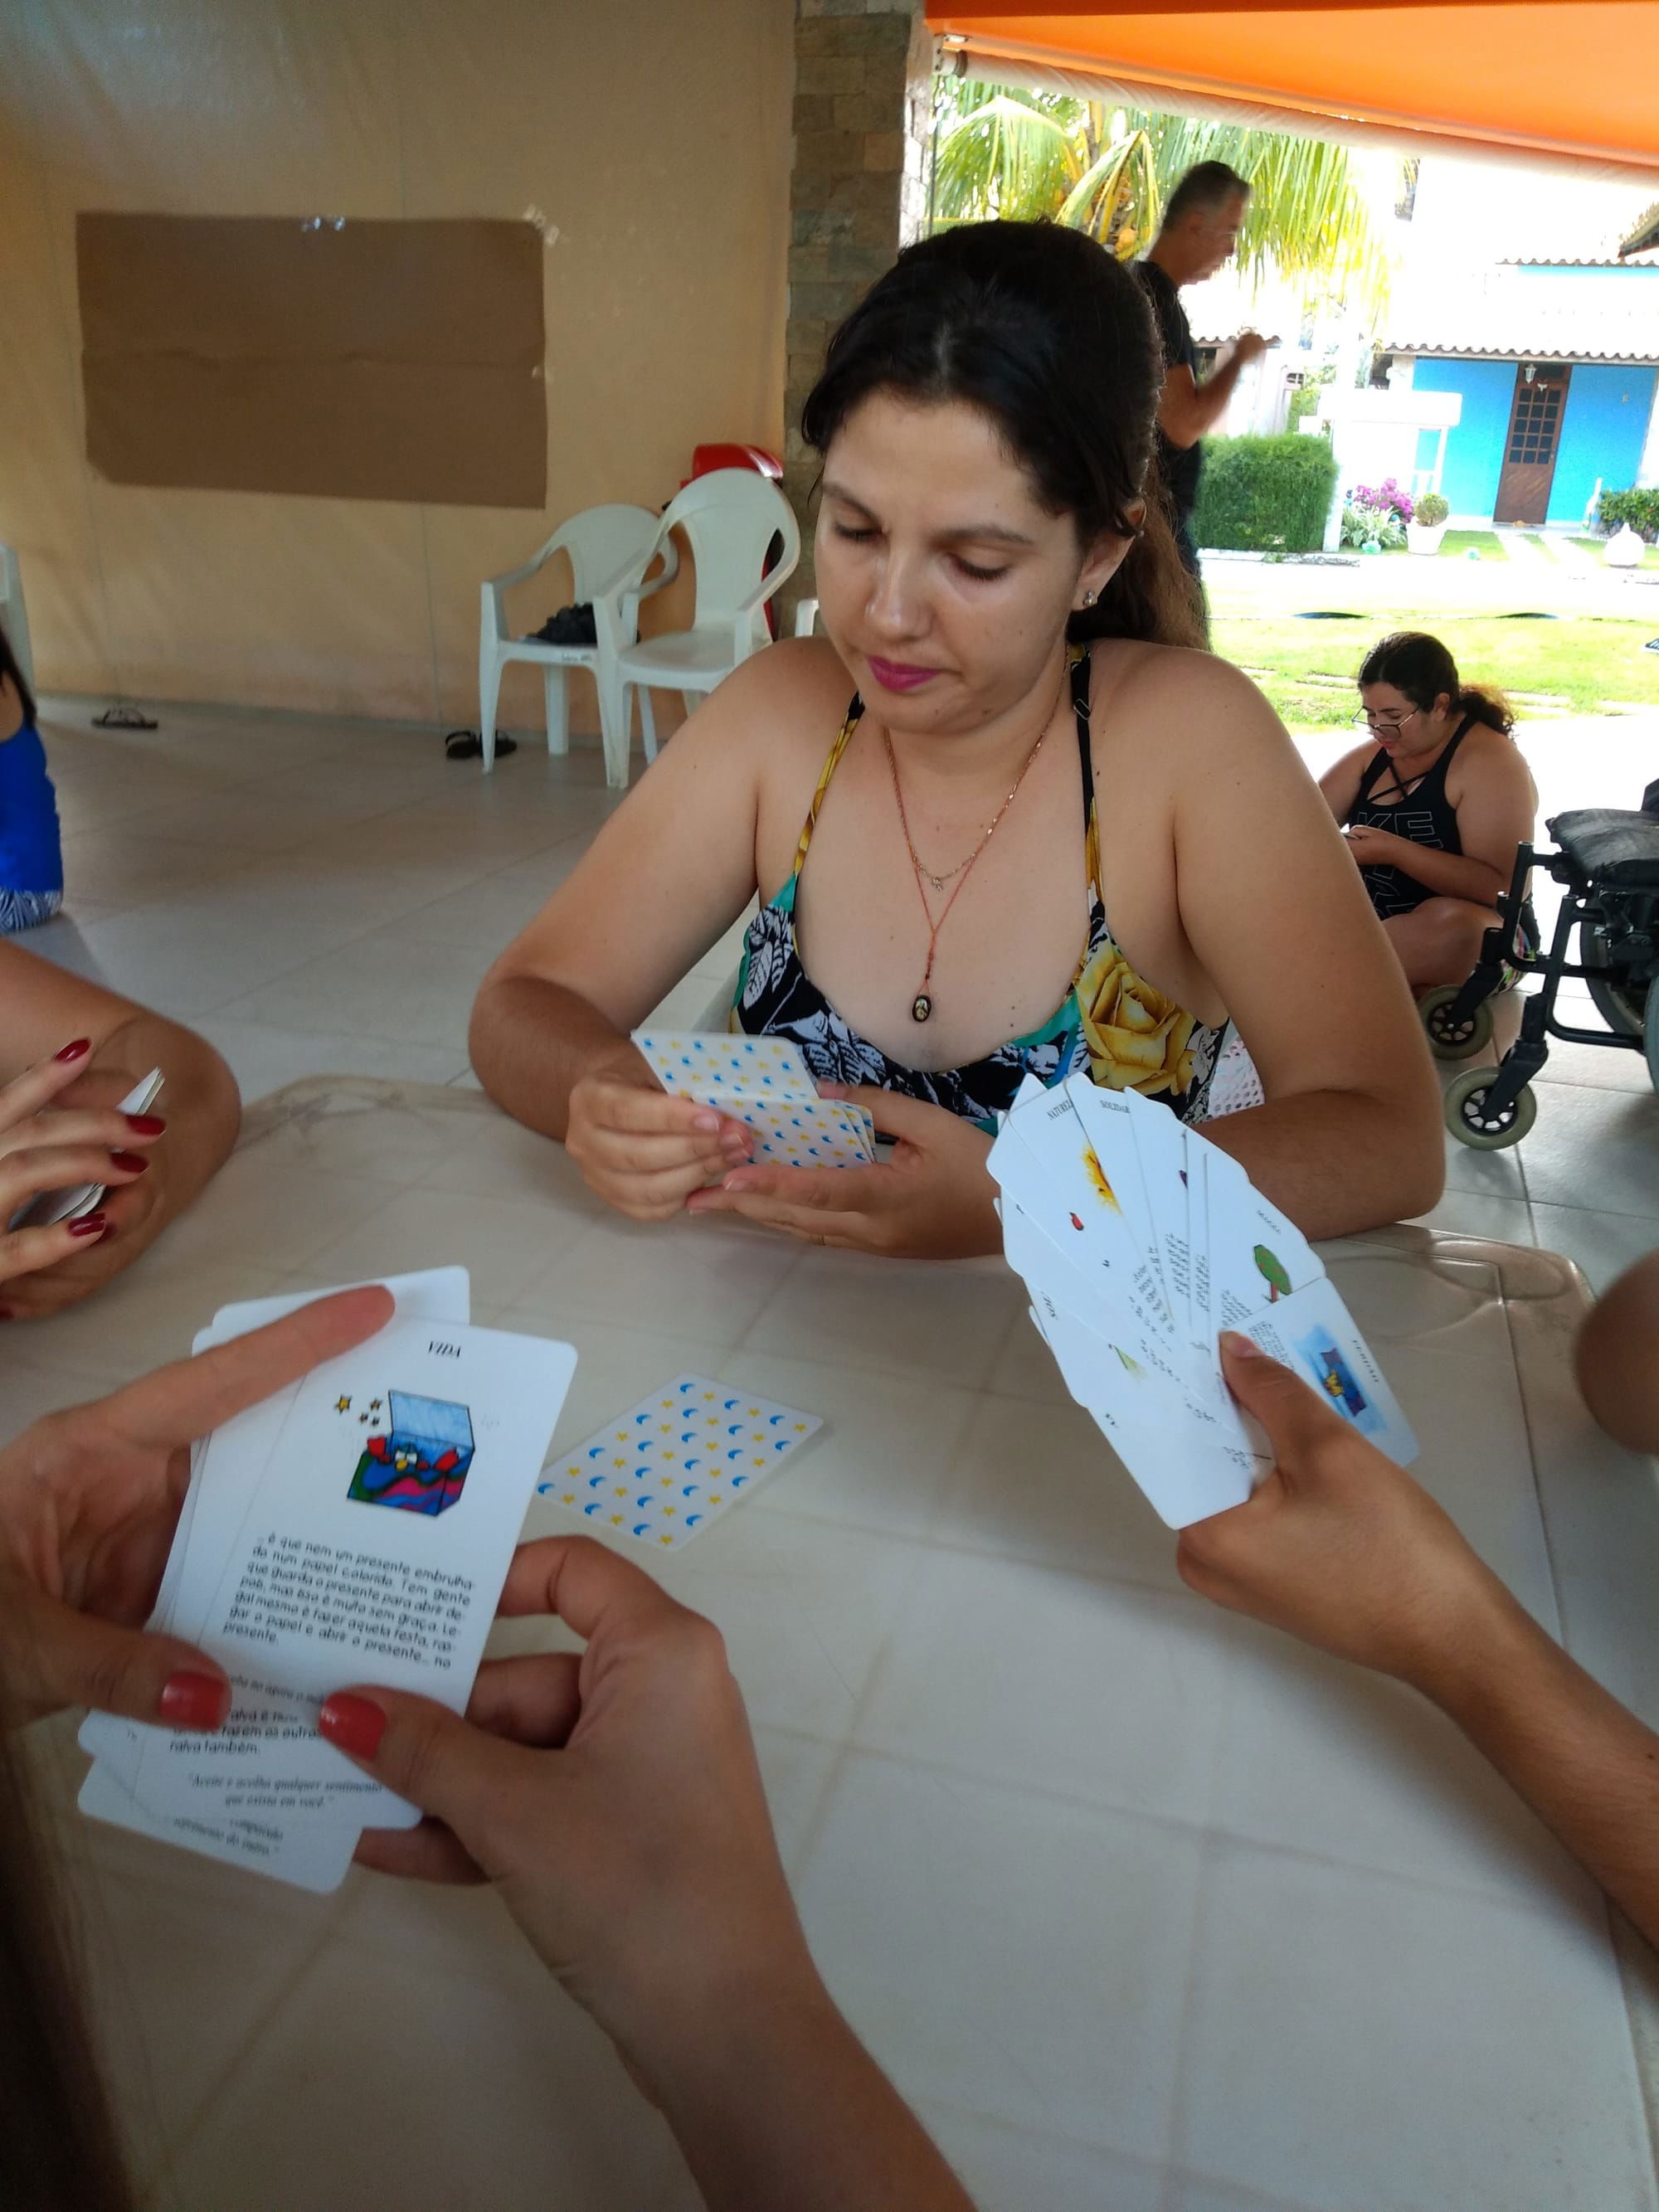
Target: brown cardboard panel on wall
(355, 358)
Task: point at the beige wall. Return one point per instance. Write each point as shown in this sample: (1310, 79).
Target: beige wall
(654, 134)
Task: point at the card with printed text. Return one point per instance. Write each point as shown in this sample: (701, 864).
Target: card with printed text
(1138, 1241)
(355, 1527)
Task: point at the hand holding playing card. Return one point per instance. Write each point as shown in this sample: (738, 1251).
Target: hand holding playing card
(1138, 1239)
(644, 1151)
(614, 1799)
(58, 1128)
(929, 1199)
(89, 1502)
(1337, 1546)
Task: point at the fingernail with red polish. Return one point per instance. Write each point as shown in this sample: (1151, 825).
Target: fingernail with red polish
(91, 1224)
(351, 1724)
(134, 1163)
(144, 1124)
(194, 1701)
(78, 1050)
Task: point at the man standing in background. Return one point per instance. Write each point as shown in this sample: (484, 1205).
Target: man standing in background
(1199, 231)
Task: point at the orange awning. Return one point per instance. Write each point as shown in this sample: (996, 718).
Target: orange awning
(1572, 81)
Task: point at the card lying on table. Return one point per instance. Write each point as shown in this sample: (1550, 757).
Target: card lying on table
(357, 1526)
(1139, 1241)
(765, 1081)
(677, 1462)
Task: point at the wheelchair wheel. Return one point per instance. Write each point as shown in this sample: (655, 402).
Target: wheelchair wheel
(1470, 1124)
(1448, 1040)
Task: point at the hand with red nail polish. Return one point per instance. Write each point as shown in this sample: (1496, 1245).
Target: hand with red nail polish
(89, 1500)
(615, 1800)
(47, 1145)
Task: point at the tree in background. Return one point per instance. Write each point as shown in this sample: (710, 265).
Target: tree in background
(1109, 170)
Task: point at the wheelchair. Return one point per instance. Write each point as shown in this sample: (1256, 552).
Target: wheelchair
(1607, 862)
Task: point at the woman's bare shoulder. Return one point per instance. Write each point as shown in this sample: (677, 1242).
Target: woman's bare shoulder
(783, 695)
(1194, 700)
(1491, 763)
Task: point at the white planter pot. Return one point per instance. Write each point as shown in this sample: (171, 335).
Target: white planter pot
(1423, 537)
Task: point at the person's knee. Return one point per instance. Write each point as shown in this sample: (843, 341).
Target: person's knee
(200, 1097)
(1444, 939)
(1617, 1357)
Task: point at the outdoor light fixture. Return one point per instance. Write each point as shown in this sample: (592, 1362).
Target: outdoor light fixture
(1530, 372)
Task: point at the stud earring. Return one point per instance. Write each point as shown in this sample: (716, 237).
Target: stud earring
(1089, 597)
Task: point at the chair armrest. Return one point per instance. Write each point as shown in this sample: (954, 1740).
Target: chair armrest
(492, 596)
(769, 583)
(505, 583)
(669, 569)
(625, 597)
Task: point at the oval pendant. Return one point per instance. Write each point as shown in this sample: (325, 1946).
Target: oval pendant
(920, 1006)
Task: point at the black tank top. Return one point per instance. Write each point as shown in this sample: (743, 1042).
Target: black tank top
(1423, 815)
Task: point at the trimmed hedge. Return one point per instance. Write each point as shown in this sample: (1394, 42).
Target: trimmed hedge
(1639, 509)
(1265, 494)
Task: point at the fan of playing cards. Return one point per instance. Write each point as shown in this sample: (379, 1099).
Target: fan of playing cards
(1139, 1240)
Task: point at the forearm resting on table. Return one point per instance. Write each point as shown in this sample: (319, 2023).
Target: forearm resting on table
(778, 2103)
(1587, 1767)
(531, 1041)
(1338, 1161)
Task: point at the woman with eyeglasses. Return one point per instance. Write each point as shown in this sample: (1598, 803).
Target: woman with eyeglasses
(1433, 806)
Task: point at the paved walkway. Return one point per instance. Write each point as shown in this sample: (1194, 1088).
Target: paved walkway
(1524, 551)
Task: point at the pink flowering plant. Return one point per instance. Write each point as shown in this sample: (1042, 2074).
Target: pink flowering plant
(1376, 514)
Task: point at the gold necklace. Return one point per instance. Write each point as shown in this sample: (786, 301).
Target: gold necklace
(922, 1004)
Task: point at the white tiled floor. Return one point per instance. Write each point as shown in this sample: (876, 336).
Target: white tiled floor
(322, 897)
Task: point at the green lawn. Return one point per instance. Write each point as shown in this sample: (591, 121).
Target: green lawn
(1595, 545)
(1308, 668)
(1456, 544)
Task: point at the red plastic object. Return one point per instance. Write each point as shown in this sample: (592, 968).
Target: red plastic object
(705, 459)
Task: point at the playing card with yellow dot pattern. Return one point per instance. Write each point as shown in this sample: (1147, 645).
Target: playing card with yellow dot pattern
(764, 1081)
(672, 1465)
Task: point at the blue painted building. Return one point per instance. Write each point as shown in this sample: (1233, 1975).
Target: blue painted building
(1557, 365)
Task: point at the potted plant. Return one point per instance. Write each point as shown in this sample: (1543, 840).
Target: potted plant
(1428, 525)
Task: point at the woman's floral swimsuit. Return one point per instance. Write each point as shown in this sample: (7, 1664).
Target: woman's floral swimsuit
(1127, 1036)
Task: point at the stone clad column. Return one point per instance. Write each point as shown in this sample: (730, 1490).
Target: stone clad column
(858, 193)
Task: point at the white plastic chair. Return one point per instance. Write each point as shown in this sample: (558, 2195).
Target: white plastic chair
(731, 517)
(13, 613)
(806, 618)
(610, 549)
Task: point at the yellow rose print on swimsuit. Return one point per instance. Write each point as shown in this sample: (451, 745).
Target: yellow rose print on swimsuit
(1136, 1038)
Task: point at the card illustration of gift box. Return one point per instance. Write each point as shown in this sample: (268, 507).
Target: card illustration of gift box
(420, 1462)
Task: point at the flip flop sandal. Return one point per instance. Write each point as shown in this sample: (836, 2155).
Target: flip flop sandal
(467, 745)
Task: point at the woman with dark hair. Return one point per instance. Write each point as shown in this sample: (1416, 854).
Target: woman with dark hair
(1433, 806)
(1046, 836)
(30, 856)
